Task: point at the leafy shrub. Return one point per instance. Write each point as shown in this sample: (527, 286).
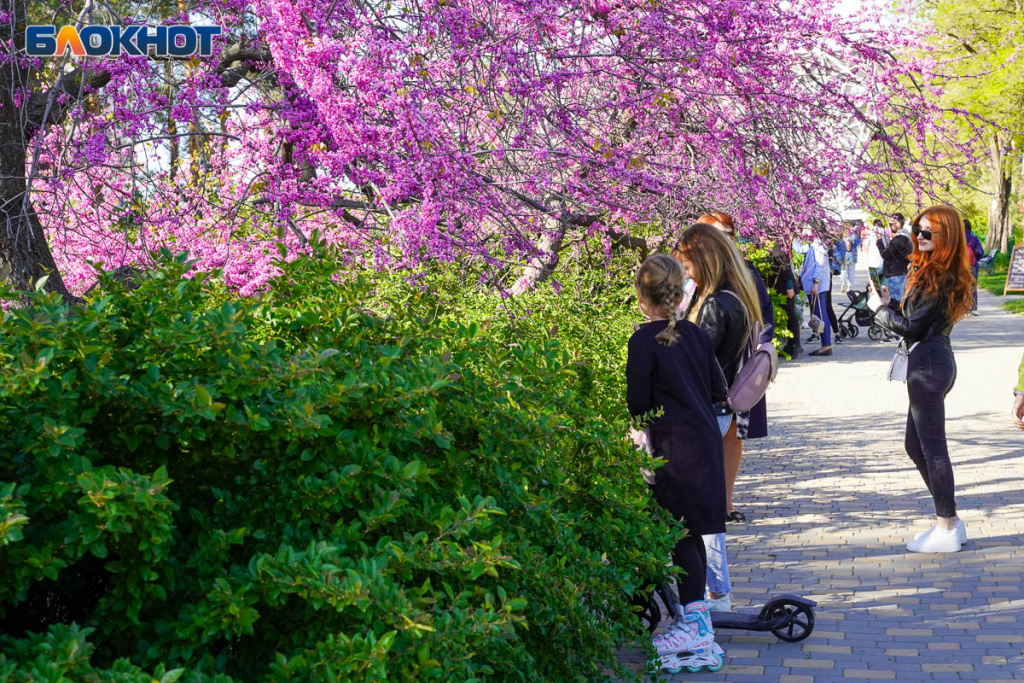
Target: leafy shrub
(762, 260)
(1001, 261)
(329, 482)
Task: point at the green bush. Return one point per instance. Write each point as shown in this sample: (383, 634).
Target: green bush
(1001, 261)
(328, 482)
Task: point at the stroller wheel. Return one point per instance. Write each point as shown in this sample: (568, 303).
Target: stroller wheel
(854, 330)
(874, 333)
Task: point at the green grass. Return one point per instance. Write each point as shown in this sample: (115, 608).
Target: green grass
(993, 283)
(1016, 306)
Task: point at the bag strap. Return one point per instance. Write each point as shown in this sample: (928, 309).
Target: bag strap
(814, 300)
(903, 346)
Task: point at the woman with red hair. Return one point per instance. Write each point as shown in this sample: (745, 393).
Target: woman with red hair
(937, 296)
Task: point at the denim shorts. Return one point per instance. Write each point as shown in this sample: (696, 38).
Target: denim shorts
(724, 422)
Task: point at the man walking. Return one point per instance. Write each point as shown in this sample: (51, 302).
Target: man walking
(976, 251)
(784, 283)
(896, 257)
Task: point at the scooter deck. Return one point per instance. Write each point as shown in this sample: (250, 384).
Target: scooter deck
(768, 619)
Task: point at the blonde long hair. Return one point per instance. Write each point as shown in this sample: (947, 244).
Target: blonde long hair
(716, 261)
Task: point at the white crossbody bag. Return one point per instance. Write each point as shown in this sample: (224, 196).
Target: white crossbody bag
(901, 361)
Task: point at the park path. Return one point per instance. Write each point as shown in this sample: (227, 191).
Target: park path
(831, 499)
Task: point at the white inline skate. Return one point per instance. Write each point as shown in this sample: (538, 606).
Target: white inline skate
(690, 642)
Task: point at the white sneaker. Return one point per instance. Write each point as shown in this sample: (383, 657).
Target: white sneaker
(961, 532)
(936, 540)
(722, 604)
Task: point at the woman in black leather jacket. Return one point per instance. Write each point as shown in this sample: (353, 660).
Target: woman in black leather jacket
(938, 294)
(725, 306)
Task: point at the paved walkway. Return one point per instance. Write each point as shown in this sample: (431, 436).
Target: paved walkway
(831, 498)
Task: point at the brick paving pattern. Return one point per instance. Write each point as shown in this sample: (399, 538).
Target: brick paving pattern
(831, 499)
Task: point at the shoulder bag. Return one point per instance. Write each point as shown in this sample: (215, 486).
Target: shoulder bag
(901, 361)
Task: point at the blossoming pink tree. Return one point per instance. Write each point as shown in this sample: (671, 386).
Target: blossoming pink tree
(487, 131)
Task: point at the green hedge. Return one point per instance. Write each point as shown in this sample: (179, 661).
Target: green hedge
(328, 482)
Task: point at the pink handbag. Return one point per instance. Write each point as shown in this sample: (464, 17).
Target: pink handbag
(757, 372)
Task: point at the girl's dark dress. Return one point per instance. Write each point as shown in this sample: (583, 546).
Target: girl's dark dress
(684, 379)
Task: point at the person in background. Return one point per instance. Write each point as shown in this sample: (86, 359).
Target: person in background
(896, 258)
(840, 252)
(834, 268)
(1018, 398)
(752, 424)
(853, 243)
(874, 252)
(816, 280)
(938, 296)
(976, 251)
(784, 282)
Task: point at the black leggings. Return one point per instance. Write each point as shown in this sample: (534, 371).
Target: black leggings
(930, 375)
(793, 323)
(832, 320)
(691, 556)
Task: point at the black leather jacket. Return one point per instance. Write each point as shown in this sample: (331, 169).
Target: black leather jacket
(724, 318)
(924, 317)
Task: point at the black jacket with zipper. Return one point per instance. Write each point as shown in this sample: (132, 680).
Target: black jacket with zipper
(923, 317)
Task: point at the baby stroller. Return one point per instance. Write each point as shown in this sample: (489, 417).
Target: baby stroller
(854, 315)
(858, 314)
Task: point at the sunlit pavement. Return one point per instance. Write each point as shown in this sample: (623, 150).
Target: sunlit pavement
(831, 499)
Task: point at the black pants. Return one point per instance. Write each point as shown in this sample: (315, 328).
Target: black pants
(832, 320)
(930, 375)
(691, 556)
(792, 324)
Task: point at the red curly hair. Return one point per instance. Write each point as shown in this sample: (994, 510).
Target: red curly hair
(720, 220)
(945, 272)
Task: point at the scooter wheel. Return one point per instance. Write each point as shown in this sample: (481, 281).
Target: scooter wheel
(874, 333)
(799, 625)
(646, 606)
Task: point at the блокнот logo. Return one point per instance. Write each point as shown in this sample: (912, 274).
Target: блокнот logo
(113, 41)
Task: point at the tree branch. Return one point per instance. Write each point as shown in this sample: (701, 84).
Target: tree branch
(71, 88)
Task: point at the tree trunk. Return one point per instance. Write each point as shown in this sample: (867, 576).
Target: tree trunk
(544, 263)
(172, 125)
(1002, 184)
(25, 254)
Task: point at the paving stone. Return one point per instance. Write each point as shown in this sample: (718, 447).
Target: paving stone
(950, 667)
(867, 673)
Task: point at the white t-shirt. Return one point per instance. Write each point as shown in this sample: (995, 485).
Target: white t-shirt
(874, 255)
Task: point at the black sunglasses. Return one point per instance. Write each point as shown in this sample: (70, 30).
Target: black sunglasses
(921, 232)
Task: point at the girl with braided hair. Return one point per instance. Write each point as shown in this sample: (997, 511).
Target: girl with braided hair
(672, 366)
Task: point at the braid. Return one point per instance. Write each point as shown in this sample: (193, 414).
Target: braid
(660, 282)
